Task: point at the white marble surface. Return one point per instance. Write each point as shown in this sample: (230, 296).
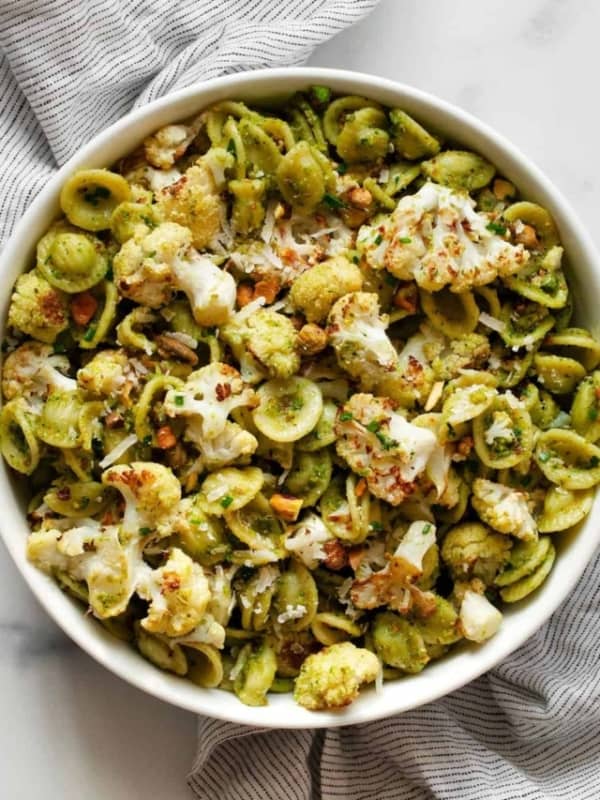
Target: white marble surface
(71, 730)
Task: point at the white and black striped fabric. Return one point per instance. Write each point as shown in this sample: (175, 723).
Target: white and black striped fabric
(529, 730)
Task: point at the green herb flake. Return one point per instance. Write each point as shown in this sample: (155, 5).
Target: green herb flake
(145, 531)
(405, 239)
(333, 202)
(378, 239)
(373, 426)
(179, 399)
(376, 525)
(495, 227)
(319, 96)
(387, 442)
(342, 168)
(226, 501)
(147, 440)
(543, 457)
(426, 529)
(231, 147)
(592, 414)
(594, 461)
(346, 416)
(95, 194)
(90, 333)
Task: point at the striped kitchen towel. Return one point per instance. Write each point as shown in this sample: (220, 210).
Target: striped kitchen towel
(528, 730)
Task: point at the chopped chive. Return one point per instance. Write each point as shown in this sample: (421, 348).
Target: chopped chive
(342, 168)
(319, 96)
(376, 525)
(495, 227)
(231, 147)
(90, 333)
(145, 531)
(426, 528)
(179, 399)
(346, 416)
(373, 426)
(226, 501)
(405, 239)
(543, 457)
(332, 201)
(378, 239)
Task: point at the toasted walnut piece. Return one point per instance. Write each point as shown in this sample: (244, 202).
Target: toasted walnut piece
(286, 506)
(336, 555)
(170, 347)
(267, 288)
(165, 438)
(503, 189)
(359, 197)
(114, 420)
(311, 339)
(244, 294)
(527, 237)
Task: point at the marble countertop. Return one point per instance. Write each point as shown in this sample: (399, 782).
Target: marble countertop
(70, 729)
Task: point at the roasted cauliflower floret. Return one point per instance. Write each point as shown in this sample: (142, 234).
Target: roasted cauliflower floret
(143, 266)
(504, 509)
(92, 553)
(33, 370)
(210, 393)
(306, 539)
(357, 333)
(438, 239)
(315, 291)
(209, 289)
(151, 493)
(468, 352)
(193, 201)
(105, 374)
(178, 593)
(471, 550)
(479, 619)
(37, 308)
(168, 144)
(382, 446)
(232, 444)
(269, 338)
(332, 677)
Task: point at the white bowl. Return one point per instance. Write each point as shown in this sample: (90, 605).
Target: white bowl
(520, 621)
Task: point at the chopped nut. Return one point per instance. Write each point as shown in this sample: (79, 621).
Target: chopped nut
(359, 197)
(361, 487)
(336, 555)
(244, 294)
(503, 189)
(114, 420)
(527, 236)
(353, 217)
(311, 339)
(83, 307)
(267, 288)
(286, 506)
(463, 448)
(169, 347)
(165, 438)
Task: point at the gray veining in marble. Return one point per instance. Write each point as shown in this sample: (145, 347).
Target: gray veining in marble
(72, 730)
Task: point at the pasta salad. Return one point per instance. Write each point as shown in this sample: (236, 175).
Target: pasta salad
(298, 397)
